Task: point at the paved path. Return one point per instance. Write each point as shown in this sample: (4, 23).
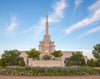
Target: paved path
(51, 77)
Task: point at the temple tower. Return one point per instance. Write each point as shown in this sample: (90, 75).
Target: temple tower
(46, 46)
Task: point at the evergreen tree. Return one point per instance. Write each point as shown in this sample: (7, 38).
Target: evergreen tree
(98, 63)
(68, 63)
(92, 64)
(83, 63)
(22, 63)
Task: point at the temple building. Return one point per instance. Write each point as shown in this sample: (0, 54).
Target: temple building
(46, 47)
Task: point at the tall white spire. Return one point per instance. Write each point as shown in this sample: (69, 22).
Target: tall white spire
(47, 23)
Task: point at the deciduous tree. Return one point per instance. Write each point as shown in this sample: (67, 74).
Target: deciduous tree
(77, 57)
(11, 57)
(96, 51)
(2, 63)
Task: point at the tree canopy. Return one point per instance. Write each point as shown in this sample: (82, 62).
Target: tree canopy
(33, 53)
(96, 51)
(57, 53)
(11, 57)
(2, 63)
(77, 57)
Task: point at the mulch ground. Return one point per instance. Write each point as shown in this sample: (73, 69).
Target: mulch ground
(51, 77)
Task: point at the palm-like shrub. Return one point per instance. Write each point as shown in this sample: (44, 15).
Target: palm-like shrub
(33, 53)
(57, 53)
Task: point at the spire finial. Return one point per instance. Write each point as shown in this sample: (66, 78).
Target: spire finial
(46, 12)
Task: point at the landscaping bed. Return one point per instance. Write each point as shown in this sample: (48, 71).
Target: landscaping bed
(55, 71)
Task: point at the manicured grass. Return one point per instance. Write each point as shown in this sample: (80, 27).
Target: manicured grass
(55, 71)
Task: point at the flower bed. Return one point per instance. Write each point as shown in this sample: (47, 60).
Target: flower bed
(55, 71)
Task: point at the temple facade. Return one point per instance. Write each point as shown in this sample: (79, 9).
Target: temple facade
(46, 46)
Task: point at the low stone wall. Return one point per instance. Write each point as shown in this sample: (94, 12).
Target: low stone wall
(45, 63)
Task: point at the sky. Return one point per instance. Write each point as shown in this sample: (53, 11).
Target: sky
(73, 24)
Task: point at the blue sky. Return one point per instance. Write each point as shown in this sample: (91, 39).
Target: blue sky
(73, 24)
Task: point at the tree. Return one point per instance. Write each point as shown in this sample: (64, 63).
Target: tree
(92, 64)
(96, 51)
(22, 63)
(77, 57)
(33, 53)
(83, 63)
(57, 53)
(2, 63)
(11, 57)
(68, 63)
(98, 63)
(46, 57)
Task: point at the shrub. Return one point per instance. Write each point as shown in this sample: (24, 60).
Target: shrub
(53, 58)
(46, 57)
(56, 71)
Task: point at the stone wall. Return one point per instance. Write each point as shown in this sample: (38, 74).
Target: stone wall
(66, 54)
(44, 63)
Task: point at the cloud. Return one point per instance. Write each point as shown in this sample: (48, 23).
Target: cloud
(55, 16)
(77, 3)
(90, 32)
(13, 24)
(94, 17)
(58, 11)
(94, 6)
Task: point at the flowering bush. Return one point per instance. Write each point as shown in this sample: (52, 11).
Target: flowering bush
(55, 71)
